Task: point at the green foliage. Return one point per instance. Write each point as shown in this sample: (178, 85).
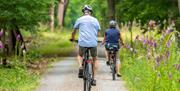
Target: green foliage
(75, 10)
(178, 24)
(17, 79)
(24, 14)
(158, 10)
(45, 45)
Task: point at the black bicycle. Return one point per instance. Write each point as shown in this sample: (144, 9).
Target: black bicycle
(87, 70)
(112, 50)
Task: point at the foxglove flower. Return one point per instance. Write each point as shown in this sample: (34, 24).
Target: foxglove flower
(128, 46)
(1, 33)
(18, 37)
(168, 44)
(1, 45)
(144, 42)
(154, 44)
(168, 54)
(159, 59)
(169, 30)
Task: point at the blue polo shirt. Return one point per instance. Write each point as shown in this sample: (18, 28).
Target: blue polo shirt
(112, 35)
(88, 31)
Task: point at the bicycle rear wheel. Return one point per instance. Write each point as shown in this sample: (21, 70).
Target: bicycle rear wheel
(88, 77)
(113, 72)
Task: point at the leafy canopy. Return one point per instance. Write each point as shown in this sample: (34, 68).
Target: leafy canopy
(24, 14)
(145, 10)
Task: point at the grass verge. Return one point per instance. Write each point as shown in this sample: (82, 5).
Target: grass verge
(44, 48)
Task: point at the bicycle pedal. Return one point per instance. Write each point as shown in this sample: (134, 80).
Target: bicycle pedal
(80, 76)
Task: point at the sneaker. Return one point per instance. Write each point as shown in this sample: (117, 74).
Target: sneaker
(93, 82)
(80, 75)
(107, 63)
(119, 75)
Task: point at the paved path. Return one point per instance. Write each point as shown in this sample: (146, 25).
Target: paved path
(63, 77)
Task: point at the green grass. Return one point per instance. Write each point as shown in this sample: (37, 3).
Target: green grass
(141, 71)
(18, 76)
(17, 79)
(54, 44)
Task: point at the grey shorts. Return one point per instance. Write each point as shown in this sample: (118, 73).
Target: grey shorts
(93, 51)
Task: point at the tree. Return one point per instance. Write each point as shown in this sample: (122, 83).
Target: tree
(179, 6)
(21, 15)
(51, 14)
(62, 6)
(111, 9)
(146, 10)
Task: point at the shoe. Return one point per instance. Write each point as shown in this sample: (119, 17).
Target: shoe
(93, 82)
(80, 75)
(119, 75)
(107, 63)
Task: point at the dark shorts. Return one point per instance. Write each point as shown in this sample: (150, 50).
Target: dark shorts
(112, 46)
(93, 51)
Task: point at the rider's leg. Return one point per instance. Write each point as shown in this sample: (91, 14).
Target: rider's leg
(106, 54)
(79, 59)
(80, 54)
(118, 64)
(94, 66)
(94, 57)
(107, 57)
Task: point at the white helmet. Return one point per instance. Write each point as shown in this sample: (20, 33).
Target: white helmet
(112, 23)
(87, 7)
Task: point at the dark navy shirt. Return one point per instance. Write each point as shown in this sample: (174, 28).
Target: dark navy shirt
(112, 35)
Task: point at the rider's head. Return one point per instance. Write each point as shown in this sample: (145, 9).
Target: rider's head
(87, 9)
(112, 24)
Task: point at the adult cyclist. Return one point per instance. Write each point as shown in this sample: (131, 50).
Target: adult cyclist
(88, 27)
(112, 37)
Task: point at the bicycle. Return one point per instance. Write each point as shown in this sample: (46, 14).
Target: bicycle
(112, 59)
(87, 69)
(87, 72)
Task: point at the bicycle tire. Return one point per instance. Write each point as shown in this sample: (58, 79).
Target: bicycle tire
(114, 68)
(114, 73)
(88, 77)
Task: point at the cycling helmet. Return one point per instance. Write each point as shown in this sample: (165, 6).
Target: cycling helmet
(87, 7)
(112, 23)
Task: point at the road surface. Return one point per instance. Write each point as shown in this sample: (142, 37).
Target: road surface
(63, 77)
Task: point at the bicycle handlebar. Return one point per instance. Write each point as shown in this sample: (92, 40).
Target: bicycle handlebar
(77, 41)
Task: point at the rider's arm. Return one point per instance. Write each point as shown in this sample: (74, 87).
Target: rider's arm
(99, 34)
(73, 34)
(104, 40)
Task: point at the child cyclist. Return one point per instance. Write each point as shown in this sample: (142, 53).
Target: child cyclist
(112, 37)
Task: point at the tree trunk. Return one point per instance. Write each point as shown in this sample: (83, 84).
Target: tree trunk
(65, 9)
(179, 6)
(10, 42)
(51, 14)
(60, 12)
(111, 9)
(62, 7)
